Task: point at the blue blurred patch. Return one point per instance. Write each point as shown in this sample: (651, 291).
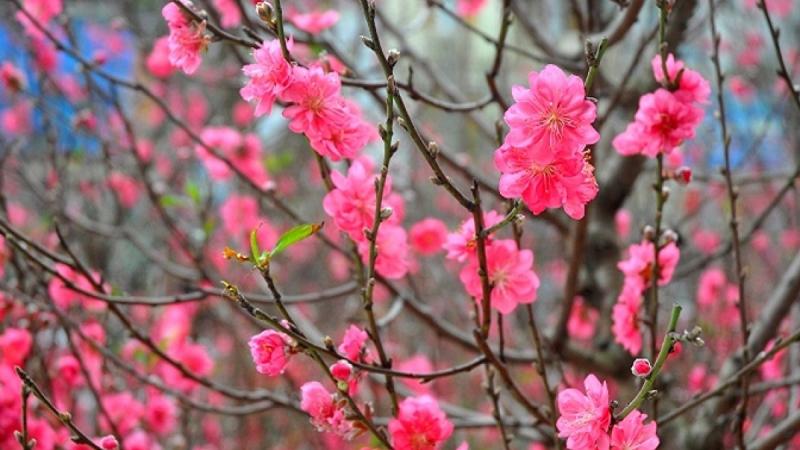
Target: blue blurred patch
(91, 39)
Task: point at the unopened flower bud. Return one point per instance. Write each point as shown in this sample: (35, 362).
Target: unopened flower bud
(669, 236)
(433, 149)
(341, 370)
(386, 212)
(368, 42)
(264, 11)
(109, 443)
(683, 175)
(393, 56)
(641, 367)
(648, 233)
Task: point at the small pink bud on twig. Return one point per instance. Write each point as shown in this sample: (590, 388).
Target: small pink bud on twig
(641, 367)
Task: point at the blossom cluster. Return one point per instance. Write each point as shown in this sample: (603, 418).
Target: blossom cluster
(509, 268)
(638, 272)
(314, 104)
(352, 205)
(669, 116)
(543, 158)
(585, 419)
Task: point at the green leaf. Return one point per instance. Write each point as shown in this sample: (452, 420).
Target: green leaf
(255, 253)
(294, 235)
(193, 191)
(278, 162)
(169, 201)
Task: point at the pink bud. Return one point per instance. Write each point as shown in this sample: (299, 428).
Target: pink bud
(100, 57)
(341, 370)
(683, 175)
(109, 443)
(641, 367)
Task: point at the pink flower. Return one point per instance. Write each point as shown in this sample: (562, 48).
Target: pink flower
(160, 414)
(268, 77)
(639, 265)
(314, 22)
(139, 440)
(239, 214)
(428, 236)
(352, 203)
(622, 222)
(632, 434)
(125, 187)
(461, 244)
(392, 249)
(554, 113)
(346, 139)
(158, 60)
(711, 287)
(353, 344)
(271, 351)
(195, 358)
(582, 319)
(326, 413)
(641, 367)
(585, 418)
(510, 274)
(231, 15)
(11, 78)
(662, 123)
(64, 296)
(243, 152)
(419, 425)
(15, 344)
(741, 89)
(16, 120)
(123, 409)
(625, 317)
(692, 87)
(416, 364)
(187, 39)
(43, 11)
(69, 370)
(317, 104)
(545, 179)
(470, 8)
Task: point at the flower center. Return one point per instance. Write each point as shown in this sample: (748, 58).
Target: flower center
(546, 170)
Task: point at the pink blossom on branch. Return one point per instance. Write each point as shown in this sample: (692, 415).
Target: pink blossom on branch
(625, 318)
(631, 433)
(392, 249)
(428, 236)
(461, 244)
(510, 274)
(326, 412)
(584, 417)
(553, 113)
(187, 38)
(542, 159)
(271, 351)
(638, 267)
(420, 425)
(268, 76)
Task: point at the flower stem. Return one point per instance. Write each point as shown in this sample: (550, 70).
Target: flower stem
(666, 348)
